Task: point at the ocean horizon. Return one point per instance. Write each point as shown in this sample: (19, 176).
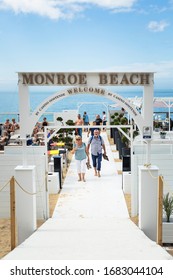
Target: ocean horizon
(92, 104)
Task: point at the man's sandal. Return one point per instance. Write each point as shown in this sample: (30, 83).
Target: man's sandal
(105, 157)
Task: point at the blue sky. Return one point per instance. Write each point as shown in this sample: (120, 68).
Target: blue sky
(86, 35)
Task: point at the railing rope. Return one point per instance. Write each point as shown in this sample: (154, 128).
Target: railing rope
(159, 210)
(13, 213)
(12, 182)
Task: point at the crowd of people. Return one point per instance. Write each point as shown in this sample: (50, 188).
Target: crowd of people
(80, 121)
(80, 149)
(10, 127)
(38, 129)
(7, 129)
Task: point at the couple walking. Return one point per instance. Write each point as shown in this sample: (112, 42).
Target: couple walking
(81, 152)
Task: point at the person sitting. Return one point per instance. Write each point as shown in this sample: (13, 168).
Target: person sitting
(35, 130)
(15, 125)
(4, 140)
(35, 140)
(8, 126)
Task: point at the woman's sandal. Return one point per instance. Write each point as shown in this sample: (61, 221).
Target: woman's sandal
(88, 165)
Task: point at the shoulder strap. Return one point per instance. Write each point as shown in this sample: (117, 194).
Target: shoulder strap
(91, 138)
(99, 138)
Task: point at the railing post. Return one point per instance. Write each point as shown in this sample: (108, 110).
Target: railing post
(159, 210)
(13, 213)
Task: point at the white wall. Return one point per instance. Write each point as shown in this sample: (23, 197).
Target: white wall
(7, 164)
(165, 164)
(32, 150)
(155, 149)
(66, 115)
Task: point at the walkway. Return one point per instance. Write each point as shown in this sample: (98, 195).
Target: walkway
(90, 221)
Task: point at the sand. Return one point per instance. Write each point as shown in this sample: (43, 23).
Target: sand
(5, 228)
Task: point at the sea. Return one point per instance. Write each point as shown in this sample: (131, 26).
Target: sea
(92, 104)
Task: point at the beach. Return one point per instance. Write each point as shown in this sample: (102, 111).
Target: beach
(5, 228)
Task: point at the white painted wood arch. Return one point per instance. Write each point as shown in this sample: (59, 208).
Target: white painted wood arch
(92, 83)
(49, 101)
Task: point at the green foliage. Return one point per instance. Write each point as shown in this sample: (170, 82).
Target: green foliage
(120, 119)
(121, 115)
(59, 119)
(162, 132)
(116, 122)
(60, 135)
(156, 125)
(116, 114)
(125, 140)
(135, 133)
(67, 139)
(168, 206)
(63, 134)
(69, 131)
(70, 122)
(124, 121)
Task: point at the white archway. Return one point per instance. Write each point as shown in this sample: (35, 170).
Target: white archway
(84, 83)
(97, 91)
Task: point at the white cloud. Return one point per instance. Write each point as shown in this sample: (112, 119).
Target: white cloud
(109, 4)
(162, 69)
(156, 26)
(41, 7)
(57, 9)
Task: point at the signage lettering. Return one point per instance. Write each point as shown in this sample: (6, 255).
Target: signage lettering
(102, 79)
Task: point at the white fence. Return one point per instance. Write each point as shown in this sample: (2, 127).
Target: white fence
(155, 149)
(8, 162)
(165, 164)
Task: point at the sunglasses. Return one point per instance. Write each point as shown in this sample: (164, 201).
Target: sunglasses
(78, 138)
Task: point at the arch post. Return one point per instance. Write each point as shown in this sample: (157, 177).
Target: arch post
(147, 110)
(24, 108)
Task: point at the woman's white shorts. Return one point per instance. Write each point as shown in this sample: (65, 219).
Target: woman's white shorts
(81, 166)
